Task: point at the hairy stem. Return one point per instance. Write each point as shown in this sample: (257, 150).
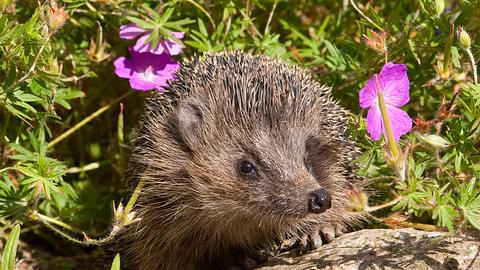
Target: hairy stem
(474, 65)
(386, 120)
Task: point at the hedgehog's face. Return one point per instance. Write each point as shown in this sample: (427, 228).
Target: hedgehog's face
(258, 169)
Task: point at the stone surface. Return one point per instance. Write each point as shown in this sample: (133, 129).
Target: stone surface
(387, 249)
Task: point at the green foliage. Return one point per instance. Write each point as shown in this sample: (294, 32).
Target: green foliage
(116, 263)
(63, 136)
(10, 250)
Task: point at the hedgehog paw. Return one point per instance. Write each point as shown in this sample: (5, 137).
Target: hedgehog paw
(318, 237)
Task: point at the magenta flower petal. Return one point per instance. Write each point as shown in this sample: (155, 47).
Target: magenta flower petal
(368, 94)
(169, 46)
(137, 82)
(142, 46)
(375, 123)
(394, 84)
(147, 71)
(130, 31)
(123, 67)
(401, 122)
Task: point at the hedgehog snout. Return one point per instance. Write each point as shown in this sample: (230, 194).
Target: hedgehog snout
(319, 201)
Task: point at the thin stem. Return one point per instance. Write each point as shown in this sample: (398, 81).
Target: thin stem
(55, 221)
(89, 118)
(386, 120)
(62, 233)
(364, 16)
(270, 18)
(49, 223)
(119, 223)
(204, 11)
(88, 167)
(474, 65)
(381, 206)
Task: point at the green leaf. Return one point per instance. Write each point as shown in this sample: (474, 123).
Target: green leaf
(116, 263)
(202, 28)
(12, 72)
(445, 215)
(8, 257)
(149, 24)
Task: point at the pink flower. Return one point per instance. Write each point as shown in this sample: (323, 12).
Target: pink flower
(169, 46)
(146, 71)
(394, 85)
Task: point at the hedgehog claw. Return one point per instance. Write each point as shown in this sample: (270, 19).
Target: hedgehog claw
(328, 233)
(312, 241)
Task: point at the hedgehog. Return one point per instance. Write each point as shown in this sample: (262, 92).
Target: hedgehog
(242, 153)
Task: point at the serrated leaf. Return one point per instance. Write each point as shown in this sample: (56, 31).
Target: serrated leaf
(445, 214)
(10, 251)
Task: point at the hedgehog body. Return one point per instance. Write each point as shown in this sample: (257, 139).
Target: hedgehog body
(241, 153)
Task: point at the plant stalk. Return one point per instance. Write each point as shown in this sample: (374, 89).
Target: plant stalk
(89, 118)
(474, 65)
(386, 120)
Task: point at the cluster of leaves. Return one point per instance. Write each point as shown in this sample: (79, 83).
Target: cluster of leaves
(62, 132)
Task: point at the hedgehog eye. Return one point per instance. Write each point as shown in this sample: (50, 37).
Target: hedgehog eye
(246, 167)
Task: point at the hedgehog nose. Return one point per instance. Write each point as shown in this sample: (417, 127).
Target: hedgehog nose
(319, 201)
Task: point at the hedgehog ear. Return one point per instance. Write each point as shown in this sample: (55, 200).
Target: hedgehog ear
(190, 121)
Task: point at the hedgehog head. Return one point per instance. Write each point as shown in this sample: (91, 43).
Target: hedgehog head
(262, 138)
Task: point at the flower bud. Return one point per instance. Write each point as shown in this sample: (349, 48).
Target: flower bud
(57, 17)
(435, 140)
(96, 52)
(439, 7)
(378, 41)
(358, 200)
(464, 38)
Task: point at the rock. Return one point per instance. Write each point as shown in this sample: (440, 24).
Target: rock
(387, 249)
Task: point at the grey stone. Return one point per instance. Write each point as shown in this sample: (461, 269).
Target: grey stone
(387, 249)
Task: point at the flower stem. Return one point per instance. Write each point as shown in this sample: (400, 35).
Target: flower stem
(365, 16)
(86, 120)
(204, 11)
(386, 120)
(474, 66)
(267, 28)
